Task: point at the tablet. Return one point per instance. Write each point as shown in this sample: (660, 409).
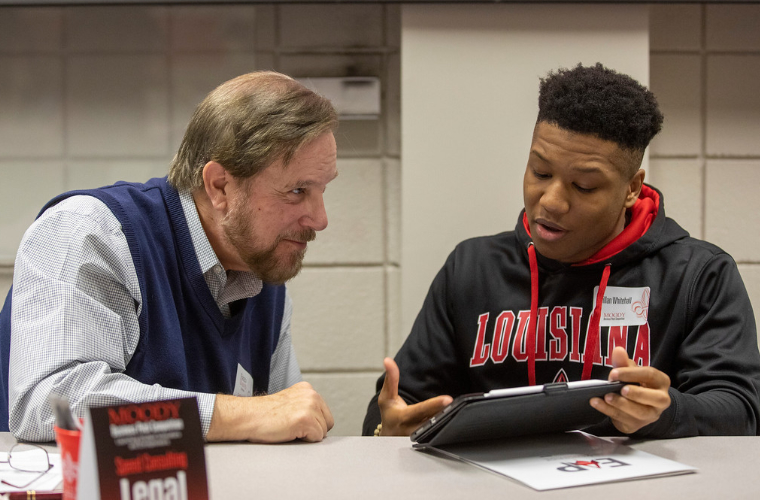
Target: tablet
(519, 411)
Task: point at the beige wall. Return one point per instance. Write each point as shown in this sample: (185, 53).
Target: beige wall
(705, 66)
(470, 77)
(92, 95)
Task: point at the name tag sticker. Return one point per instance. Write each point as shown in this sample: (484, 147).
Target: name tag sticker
(243, 383)
(622, 306)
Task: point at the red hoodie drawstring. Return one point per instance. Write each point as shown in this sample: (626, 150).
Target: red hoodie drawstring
(593, 328)
(533, 322)
(592, 340)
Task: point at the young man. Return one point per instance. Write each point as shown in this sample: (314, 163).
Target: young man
(174, 288)
(594, 282)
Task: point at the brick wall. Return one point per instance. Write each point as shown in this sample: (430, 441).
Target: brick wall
(705, 69)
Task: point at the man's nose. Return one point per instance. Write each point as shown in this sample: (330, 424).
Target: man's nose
(317, 216)
(555, 199)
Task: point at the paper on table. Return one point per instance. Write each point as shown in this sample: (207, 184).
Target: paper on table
(48, 481)
(563, 460)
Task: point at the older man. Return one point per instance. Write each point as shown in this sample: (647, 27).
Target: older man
(172, 288)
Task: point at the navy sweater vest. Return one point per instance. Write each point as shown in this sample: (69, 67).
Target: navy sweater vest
(185, 341)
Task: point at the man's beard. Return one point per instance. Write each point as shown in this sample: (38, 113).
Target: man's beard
(239, 228)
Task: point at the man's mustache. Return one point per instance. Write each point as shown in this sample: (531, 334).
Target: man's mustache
(304, 236)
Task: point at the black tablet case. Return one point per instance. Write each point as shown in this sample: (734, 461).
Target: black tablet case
(475, 417)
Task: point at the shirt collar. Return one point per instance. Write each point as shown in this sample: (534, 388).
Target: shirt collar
(206, 256)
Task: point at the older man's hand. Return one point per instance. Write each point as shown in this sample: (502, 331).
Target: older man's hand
(297, 412)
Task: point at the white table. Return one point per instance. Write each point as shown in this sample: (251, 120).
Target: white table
(367, 468)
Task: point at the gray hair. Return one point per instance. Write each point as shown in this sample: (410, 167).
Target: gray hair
(246, 124)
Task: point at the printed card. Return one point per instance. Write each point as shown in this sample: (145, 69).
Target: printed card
(555, 461)
(143, 451)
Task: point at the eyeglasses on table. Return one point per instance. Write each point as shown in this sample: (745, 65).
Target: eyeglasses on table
(27, 458)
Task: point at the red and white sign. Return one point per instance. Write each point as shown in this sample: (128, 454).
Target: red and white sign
(144, 451)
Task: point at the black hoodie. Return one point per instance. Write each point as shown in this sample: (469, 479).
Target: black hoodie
(674, 302)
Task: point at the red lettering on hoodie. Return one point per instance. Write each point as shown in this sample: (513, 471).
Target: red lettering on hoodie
(641, 351)
(480, 354)
(520, 347)
(557, 329)
(576, 313)
(502, 335)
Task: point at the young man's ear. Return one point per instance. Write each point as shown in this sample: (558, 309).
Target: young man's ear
(634, 188)
(215, 183)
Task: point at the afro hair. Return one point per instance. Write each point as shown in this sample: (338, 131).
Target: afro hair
(599, 101)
